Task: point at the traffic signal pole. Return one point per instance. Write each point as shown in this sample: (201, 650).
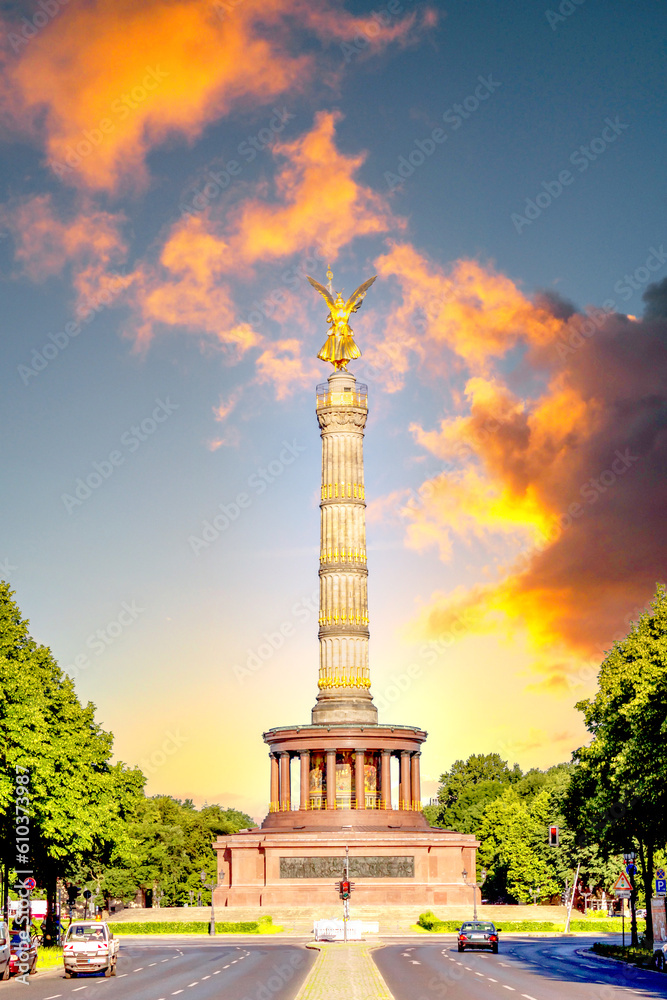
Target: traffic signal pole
(346, 902)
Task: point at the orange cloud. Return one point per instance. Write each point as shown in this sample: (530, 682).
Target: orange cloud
(467, 311)
(90, 241)
(108, 82)
(283, 365)
(565, 488)
(319, 199)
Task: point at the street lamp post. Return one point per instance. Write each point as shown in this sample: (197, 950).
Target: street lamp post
(209, 885)
(630, 857)
(473, 885)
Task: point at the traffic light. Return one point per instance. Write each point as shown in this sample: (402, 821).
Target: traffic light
(72, 892)
(345, 888)
(553, 836)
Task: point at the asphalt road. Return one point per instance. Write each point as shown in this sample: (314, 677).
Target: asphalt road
(530, 968)
(159, 970)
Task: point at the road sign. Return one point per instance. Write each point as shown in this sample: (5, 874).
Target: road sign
(30, 884)
(622, 884)
(661, 887)
(660, 873)
(623, 893)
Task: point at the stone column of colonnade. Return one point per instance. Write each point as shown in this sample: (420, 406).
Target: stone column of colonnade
(409, 794)
(344, 679)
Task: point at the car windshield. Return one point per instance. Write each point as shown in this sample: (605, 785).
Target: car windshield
(479, 926)
(85, 932)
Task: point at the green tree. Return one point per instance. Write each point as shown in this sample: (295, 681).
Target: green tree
(514, 850)
(618, 794)
(78, 799)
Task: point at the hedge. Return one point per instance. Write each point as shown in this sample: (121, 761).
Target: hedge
(262, 926)
(431, 923)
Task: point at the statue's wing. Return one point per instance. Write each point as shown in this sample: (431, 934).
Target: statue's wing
(322, 290)
(360, 293)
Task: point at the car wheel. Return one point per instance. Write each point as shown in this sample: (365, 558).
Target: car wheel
(660, 961)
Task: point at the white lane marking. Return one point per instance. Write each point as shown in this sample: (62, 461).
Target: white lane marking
(225, 966)
(196, 983)
(53, 997)
(140, 969)
(176, 992)
(413, 961)
(527, 996)
(480, 974)
(509, 988)
(122, 975)
(165, 959)
(79, 988)
(150, 966)
(205, 977)
(467, 968)
(492, 980)
(504, 964)
(217, 972)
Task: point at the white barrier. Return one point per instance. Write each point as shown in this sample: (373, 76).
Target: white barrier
(334, 930)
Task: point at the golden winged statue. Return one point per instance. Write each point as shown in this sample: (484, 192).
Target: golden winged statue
(340, 346)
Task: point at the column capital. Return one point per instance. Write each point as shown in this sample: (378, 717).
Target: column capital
(363, 750)
(304, 753)
(386, 753)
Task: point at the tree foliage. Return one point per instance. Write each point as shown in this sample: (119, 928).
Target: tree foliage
(89, 820)
(618, 795)
(78, 798)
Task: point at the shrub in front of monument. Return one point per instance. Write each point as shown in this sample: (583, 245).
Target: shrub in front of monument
(429, 922)
(262, 926)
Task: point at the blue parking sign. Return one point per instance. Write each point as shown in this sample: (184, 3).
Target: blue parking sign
(661, 887)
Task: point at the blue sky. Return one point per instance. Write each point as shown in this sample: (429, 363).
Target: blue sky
(332, 101)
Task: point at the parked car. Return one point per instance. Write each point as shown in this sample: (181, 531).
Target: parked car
(89, 946)
(660, 956)
(22, 953)
(5, 950)
(478, 934)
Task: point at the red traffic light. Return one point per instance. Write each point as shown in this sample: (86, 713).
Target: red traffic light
(345, 889)
(553, 836)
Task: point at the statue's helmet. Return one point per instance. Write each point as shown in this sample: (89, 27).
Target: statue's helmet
(340, 301)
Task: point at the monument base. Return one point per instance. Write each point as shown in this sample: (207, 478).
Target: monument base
(423, 868)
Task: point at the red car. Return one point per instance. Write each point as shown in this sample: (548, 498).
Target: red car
(478, 934)
(23, 955)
